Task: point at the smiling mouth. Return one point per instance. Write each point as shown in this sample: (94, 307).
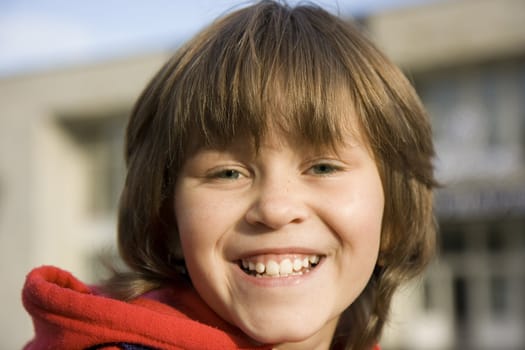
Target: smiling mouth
(287, 267)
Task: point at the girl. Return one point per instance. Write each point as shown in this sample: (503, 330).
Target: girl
(279, 190)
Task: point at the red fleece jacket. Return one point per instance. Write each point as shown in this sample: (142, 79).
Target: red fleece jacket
(67, 314)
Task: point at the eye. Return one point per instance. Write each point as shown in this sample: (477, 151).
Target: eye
(225, 174)
(324, 169)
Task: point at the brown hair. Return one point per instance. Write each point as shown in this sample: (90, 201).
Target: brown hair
(305, 64)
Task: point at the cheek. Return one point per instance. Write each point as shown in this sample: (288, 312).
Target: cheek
(357, 223)
(360, 209)
(370, 202)
(190, 222)
(371, 214)
(191, 211)
(195, 234)
(201, 220)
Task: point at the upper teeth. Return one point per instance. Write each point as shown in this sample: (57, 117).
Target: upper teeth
(272, 268)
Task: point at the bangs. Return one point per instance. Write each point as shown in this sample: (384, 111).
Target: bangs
(276, 70)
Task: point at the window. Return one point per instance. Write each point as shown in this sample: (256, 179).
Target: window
(452, 240)
(100, 138)
(460, 298)
(495, 239)
(498, 295)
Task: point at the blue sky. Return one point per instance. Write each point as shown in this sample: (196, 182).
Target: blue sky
(43, 34)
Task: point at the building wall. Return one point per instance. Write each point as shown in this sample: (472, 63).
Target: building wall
(49, 171)
(467, 61)
(450, 32)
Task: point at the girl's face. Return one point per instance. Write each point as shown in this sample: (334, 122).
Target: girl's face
(281, 241)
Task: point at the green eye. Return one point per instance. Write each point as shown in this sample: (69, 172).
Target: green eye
(323, 169)
(228, 174)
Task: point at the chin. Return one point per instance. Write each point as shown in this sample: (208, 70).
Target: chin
(280, 336)
(278, 333)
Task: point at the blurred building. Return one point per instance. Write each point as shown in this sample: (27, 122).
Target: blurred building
(61, 169)
(467, 60)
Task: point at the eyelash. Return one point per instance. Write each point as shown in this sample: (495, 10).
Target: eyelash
(319, 169)
(225, 174)
(326, 169)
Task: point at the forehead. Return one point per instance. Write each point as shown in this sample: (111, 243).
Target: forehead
(313, 121)
(343, 130)
(278, 132)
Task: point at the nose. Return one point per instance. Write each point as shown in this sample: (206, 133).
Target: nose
(276, 206)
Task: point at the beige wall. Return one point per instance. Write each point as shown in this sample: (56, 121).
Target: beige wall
(457, 40)
(43, 215)
(451, 32)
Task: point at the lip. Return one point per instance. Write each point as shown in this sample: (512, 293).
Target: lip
(288, 281)
(289, 251)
